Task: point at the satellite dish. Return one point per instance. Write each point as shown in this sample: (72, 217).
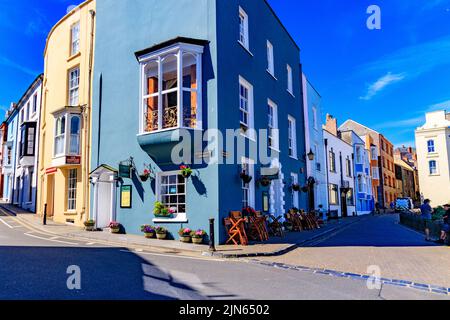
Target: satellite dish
(70, 8)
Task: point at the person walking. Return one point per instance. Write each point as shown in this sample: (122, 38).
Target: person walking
(426, 212)
(446, 227)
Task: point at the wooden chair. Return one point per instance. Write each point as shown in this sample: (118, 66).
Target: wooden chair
(236, 231)
(295, 220)
(275, 227)
(263, 223)
(257, 228)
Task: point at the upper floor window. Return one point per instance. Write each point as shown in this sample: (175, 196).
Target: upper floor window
(290, 86)
(292, 137)
(317, 157)
(332, 160)
(374, 153)
(359, 155)
(74, 84)
(433, 167)
(270, 59)
(34, 103)
(22, 116)
(272, 114)
(75, 38)
(243, 29)
(8, 155)
(375, 174)
(314, 118)
(171, 85)
(246, 105)
(28, 111)
(431, 146)
(27, 139)
(67, 144)
(348, 166)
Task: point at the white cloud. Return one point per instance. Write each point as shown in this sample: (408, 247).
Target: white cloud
(8, 63)
(444, 105)
(382, 83)
(405, 123)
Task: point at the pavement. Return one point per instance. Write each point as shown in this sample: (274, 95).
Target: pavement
(274, 247)
(377, 243)
(39, 265)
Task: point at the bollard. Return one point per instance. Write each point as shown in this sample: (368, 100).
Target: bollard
(212, 247)
(44, 222)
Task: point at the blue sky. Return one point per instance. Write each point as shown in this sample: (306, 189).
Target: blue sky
(386, 79)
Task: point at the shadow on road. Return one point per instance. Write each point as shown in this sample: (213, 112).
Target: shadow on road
(31, 273)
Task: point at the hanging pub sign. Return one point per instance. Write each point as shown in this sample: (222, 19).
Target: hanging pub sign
(124, 171)
(125, 196)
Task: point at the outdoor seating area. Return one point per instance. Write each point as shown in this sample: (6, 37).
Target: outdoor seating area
(251, 225)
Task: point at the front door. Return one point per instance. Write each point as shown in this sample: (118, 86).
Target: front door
(344, 208)
(105, 200)
(50, 195)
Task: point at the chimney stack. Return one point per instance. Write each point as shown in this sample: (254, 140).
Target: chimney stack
(331, 125)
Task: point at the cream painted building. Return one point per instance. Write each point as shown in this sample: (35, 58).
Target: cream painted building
(65, 122)
(433, 157)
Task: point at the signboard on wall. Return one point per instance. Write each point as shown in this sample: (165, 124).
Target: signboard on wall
(73, 160)
(51, 170)
(126, 196)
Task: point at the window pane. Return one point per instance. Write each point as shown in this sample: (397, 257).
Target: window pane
(170, 110)
(170, 72)
(151, 71)
(151, 115)
(189, 71)
(190, 109)
(75, 135)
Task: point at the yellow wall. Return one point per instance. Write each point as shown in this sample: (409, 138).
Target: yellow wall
(55, 96)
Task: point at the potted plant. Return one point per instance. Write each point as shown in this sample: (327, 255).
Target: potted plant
(161, 233)
(161, 211)
(248, 212)
(186, 172)
(89, 225)
(305, 188)
(185, 235)
(145, 175)
(149, 231)
(245, 177)
(198, 236)
(296, 187)
(114, 227)
(265, 182)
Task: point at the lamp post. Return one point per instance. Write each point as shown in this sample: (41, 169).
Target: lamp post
(310, 156)
(212, 247)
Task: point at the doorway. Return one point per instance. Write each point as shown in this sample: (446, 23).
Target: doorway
(344, 209)
(50, 195)
(104, 188)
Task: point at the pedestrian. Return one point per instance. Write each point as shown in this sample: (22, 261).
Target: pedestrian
(446, 227)
(377, 208)
(392, 205)
(426, 212)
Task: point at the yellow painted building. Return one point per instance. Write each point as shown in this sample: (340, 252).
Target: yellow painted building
(66, 115)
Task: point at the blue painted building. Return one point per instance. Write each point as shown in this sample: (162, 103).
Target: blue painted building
(9, 155)
(181, 70)
(365, 202)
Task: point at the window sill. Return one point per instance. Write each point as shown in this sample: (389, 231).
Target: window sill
(176, 220)
(271, 74)
(275, 149)
(245, 48)
(292, 157)
(248, 137)
(293, 96)
(72, 57)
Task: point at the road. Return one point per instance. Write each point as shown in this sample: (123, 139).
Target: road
(34, 265)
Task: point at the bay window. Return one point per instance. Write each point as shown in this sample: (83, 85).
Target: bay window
(67, 144)
(27, 139)
(171, 88)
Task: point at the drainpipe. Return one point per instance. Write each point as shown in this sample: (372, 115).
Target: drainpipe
(87, 119)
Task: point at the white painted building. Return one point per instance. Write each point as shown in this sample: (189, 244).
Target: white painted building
(316, 168)
(433, 157)
(27, 147)
(341, 186)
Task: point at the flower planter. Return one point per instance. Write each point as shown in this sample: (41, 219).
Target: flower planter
(161, 236)
(265, 182)
(246, 178)
(197, 240)
(114, 230)
(170, 216)
(143, 177)
(149, 235)
(89, 228)
(185, 239)
(186, 175)
(296, 188)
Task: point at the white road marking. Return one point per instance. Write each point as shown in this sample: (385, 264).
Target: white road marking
(172, 256)
(5, 223)
(90, 243)
(50, 239)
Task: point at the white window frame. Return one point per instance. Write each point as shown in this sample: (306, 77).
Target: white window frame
(292, 137)
(270, 59)
(273, 130)
(67, 136)
(436, 168)
(374, 153)
(375, 173)
(431, 146)
(179, 216)
(72, 190)
(290, 80)
(74, 87)
(249, 166)
(243, 29)
(250, 126)
(62, 136)
(314, 114)
(178, 50)
(294, 194)
(359, 155)
(75, 38)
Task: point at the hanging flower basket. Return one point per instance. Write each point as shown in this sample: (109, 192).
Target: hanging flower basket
(305, 189)
(186, 172)
(296, 187)
(245, 177)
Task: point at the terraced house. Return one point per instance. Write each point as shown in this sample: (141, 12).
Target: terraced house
(167, 68)
(65, 119)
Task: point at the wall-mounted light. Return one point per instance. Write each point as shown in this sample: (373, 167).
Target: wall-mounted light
(311, 155)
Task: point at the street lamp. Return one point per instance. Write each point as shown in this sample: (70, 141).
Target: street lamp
(311, 155)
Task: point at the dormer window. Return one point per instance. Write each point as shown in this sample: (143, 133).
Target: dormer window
(171, 88)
